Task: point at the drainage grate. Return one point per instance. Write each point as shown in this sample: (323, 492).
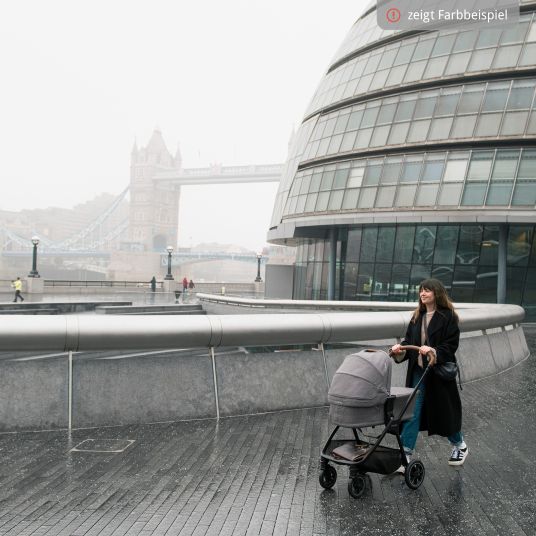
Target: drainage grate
(103, 445)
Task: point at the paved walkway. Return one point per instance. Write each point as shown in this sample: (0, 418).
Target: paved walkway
(259, 475)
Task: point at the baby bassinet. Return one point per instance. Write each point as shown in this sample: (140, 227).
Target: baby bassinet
(360, 388)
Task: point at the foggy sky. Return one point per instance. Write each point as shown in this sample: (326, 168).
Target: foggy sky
(228, 80)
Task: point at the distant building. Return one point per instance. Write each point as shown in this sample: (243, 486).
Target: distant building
(417, 158)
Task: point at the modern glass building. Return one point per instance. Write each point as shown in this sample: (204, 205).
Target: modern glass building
(417, 158)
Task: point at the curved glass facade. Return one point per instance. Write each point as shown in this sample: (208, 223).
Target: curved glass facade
(417, 157)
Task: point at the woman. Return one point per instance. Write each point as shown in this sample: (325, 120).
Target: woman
(438, 408)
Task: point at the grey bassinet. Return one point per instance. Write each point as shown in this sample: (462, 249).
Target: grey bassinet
(360, 388)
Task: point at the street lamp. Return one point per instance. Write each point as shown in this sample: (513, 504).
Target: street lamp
(34, 272)
(258, 278)
(169, 250)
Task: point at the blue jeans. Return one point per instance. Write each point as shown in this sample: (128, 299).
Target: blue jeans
(410, 429)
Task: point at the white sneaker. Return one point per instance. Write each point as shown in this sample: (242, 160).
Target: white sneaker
(402, 469)
(458, 455)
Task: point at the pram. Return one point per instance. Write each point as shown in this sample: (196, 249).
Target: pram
(361, 396)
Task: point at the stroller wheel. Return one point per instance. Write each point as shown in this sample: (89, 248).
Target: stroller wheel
(328, 477)
(414, 475)
(357, 485)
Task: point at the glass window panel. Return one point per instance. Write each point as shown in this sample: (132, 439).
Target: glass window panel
(372, 64)
(488, 37)
(385, 197)
(528, 55)
(435, 67)
(506, 57)
(388, 57)
(423, 49)
(469, 244)
(496, 97)
(514, 123)
(292, 206)
(520, 97)
(458, 63)
(412, 169)
(369, 242)
(350, 281)
(524, 193)
(473, 194)
(387, 113)
(334, 144)
(404, 243)
(391, 171)
(426, 195)
(418, 131)
(356, 177)
(447, 103)
(471, 99)
(355, 119)
(481, 60)
(306, 181)
(518, 245)
(372, 173)
(480, 165)
(379, 138)
(515, 33)
(527, 166)
(531, 128)
(425, 107)
(450, 194)
(396, 75)
(505, 165)
(443, 45)
(404, 112)
(446, 244)
(322, 201)
(406, 195)
(532, 32)
(499, 193)
(386, 244)
(489, 253)
(348, 141)
(440, 128)
(423, 249)
(340, 178)
(488, 125)
(364, 281)
(464, 41)
(300, 206)
(398, 133)
(463, 127)
(366, 199)
(379, 80)
(327, 180)
(311, 202)
(404, 54)
(415, 71)
(353, 245)
(363, 138)
(350, 199)
(330, 127)
(340, 125)
(323, 147)
(369, 117)
(433, 169)
(456, 167)
(463, 283)
(335, 201)
(315, 182)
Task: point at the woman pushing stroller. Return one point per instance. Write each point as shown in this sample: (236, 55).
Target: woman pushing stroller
(438, 408)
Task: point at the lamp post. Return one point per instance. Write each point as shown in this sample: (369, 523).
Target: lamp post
(34, 272)
(169, 250)
(258, 278)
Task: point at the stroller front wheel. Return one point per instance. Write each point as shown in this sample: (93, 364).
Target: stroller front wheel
(328, 477)
(357, 485)
(414, 475)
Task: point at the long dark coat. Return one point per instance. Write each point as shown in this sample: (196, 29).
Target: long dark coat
(442, 409)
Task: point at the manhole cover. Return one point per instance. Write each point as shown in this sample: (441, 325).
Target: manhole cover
(103, 445)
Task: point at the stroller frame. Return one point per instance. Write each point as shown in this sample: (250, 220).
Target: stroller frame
(377, 458)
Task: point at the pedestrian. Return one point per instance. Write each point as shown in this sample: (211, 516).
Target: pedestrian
(17, 285)
(153, 284)
(438, 408)
(191, 284)
(184, 284)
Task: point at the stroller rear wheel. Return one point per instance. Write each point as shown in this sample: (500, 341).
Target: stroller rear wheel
(357, 485)
(328, 477)
(414, 475)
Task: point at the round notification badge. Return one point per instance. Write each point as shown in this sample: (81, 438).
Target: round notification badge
(393, 15)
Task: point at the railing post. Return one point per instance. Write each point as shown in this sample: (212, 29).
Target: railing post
(321, 345)
(215, 378)
(70, 391)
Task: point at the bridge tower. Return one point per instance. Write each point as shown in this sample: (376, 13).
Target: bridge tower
(154, 207)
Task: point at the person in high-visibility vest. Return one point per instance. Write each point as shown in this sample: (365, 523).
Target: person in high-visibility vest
(17, 285)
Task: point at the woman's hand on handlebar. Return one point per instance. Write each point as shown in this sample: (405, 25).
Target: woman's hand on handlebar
(430, 353)
(395, 349)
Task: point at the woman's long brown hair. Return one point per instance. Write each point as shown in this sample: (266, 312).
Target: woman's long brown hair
(441, 298)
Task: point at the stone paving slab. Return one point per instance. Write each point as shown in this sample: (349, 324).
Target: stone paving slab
(258, 475)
